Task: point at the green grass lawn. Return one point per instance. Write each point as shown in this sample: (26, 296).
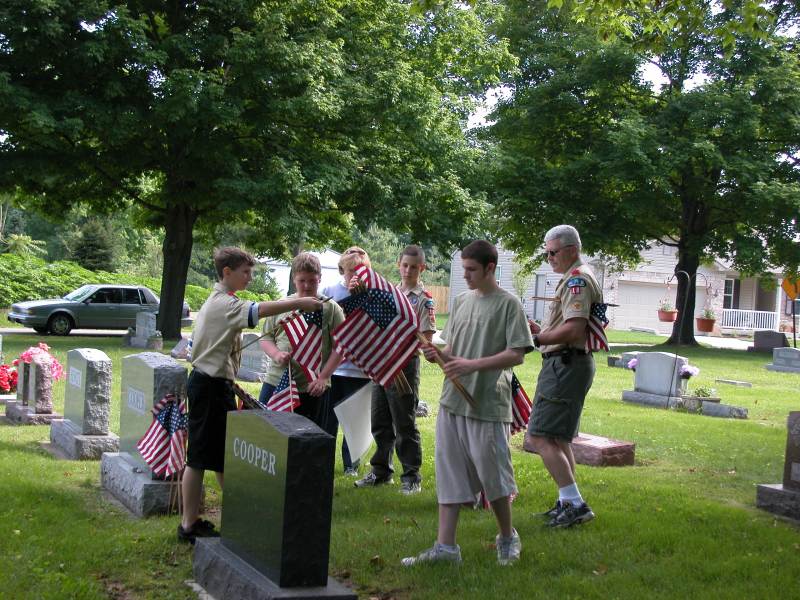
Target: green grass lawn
(681, 523)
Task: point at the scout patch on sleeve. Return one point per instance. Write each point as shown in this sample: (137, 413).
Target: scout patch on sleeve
(575, 284)
(577, 305)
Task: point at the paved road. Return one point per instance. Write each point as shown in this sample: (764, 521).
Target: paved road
(73, 333)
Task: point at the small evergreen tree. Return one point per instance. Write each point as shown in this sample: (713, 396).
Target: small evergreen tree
(94, 249)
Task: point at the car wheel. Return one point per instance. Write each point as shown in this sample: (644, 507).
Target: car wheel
(60, 324)
(40, 330)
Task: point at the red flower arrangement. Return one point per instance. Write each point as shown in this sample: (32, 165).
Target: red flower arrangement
(8, 379)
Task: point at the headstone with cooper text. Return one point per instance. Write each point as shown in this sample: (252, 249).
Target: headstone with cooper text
(784, 498)
(83, 433)
(146, 378)
(278, 466)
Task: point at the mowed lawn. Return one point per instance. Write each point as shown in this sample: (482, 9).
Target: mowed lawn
(681, 523)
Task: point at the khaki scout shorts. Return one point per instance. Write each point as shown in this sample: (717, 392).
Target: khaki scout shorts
(472, 455)
(560, 392)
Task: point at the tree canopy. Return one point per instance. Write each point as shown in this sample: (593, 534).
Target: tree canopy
(298, 117)
(707, 162)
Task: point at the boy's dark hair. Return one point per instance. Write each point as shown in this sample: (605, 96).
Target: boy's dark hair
(232, 257)
(480, 251)
(305, 262)
(413, 250)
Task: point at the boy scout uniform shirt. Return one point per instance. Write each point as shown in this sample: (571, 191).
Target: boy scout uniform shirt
(481, 326)
(216, 338)
(574, 296)
(332, 316)
(423, 304)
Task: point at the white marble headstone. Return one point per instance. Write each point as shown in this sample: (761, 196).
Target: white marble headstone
(659, 373)
(145, 324)
(87, 398)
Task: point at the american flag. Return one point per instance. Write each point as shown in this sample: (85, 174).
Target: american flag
(285, 397)
(379, 332)
(304, 330)
(520, 406)
(163, 446)
(595, 331)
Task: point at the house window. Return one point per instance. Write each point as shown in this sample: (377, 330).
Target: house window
(730, 297)
(787, 306)
(498, 272)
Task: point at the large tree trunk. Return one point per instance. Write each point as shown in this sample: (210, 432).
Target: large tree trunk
(177, 249)
(686, 274)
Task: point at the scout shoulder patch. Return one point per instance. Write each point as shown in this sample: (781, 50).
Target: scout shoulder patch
(577, 305)
(575, 284)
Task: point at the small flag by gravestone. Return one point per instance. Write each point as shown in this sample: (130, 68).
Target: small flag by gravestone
(285, 397)
(163, 445)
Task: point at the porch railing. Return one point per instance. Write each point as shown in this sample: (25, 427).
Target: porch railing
(733, 318)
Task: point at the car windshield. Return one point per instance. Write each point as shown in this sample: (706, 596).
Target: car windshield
(80, 294)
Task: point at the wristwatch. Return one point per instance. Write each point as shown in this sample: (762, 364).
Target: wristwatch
(536, 343)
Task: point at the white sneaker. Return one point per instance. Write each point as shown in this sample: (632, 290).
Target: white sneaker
(508, 549)
(437, 553)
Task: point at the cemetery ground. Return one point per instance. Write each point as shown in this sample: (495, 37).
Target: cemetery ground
(680, 523)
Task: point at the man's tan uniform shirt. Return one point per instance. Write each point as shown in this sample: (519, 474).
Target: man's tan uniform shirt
(332, 316)
(574, 296)
(216, 338)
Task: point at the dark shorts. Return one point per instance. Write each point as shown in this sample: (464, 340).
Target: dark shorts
(560, 392)
(210, 399)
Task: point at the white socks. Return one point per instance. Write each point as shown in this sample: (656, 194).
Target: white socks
(570, 494)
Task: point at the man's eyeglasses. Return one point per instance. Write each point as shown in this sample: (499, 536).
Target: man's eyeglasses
(554, 252)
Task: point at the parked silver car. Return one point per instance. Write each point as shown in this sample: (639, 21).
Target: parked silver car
(89, 307)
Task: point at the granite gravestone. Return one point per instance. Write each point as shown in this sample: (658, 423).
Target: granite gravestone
(785, 360)
(181, 349)
(39, 386)
(784, 498)
(146, 378)
(276, 512)
(147, 336)
(254, 360)
(83, 433)
(657, 380)
(766, 340)
(599, 451)
(23, 369)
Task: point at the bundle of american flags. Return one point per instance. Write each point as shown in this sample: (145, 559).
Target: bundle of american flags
(521, 406)
(285, 397)
(595, 330)
(304, 331)
(379, 332)
(163, 446)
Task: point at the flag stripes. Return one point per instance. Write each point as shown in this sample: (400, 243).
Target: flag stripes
(596, 339)
(163, 446)
(521, 406)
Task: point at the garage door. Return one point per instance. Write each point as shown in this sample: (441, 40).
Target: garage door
(639, 304)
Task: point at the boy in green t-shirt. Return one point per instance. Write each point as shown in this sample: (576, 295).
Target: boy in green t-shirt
(487, 334)
(216, 351)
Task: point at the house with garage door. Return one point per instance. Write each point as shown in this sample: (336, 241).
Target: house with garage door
(741, 304)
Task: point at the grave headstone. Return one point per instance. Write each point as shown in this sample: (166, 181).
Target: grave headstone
(147, 336)
(785, 360)
(784, 498)
(38, 392)
(83, 433)
(735, 382)
(23, 369)
(254, 359)
(660, 373)
(146, 378)
(278, 466)
(181, 349)
(766, 340)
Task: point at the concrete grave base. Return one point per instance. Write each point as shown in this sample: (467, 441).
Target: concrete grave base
(746, 384)
(598, 451)
(775, 498)
(133, 485)
(6, 397)
(76, 446)
(19, 414)
(782, 369)
(224, 575)
(646, 399)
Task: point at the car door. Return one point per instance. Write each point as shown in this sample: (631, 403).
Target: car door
(130, 307)
(102, 309)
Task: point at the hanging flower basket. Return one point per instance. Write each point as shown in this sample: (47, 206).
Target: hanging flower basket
(705, 325)
(667, 316)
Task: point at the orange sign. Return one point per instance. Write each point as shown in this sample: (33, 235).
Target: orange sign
(792, 288)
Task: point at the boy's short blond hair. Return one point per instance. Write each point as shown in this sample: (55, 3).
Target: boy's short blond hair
(231, 257)
(413, 250)
(352, 258)
(305, 262)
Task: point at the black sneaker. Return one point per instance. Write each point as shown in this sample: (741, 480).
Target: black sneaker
(552, 512)
(372, 480)
(201, 528)
(571, 515)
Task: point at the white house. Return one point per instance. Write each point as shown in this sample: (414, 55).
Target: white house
(740, 303)
(280, 270)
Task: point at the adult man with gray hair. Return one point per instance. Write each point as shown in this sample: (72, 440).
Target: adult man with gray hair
(567, 372)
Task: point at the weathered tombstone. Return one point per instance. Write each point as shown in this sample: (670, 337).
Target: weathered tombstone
(276, 512)
(598, 451)
(784, 498)
(657, 380)
(39, 394)
(147, 336)
(766, 340)
(785, 360)
(254, 359)
(146, 378)
(23, 369)
(181, 350)
(83, 433)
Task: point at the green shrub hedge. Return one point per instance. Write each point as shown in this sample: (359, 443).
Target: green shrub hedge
(26, 278)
